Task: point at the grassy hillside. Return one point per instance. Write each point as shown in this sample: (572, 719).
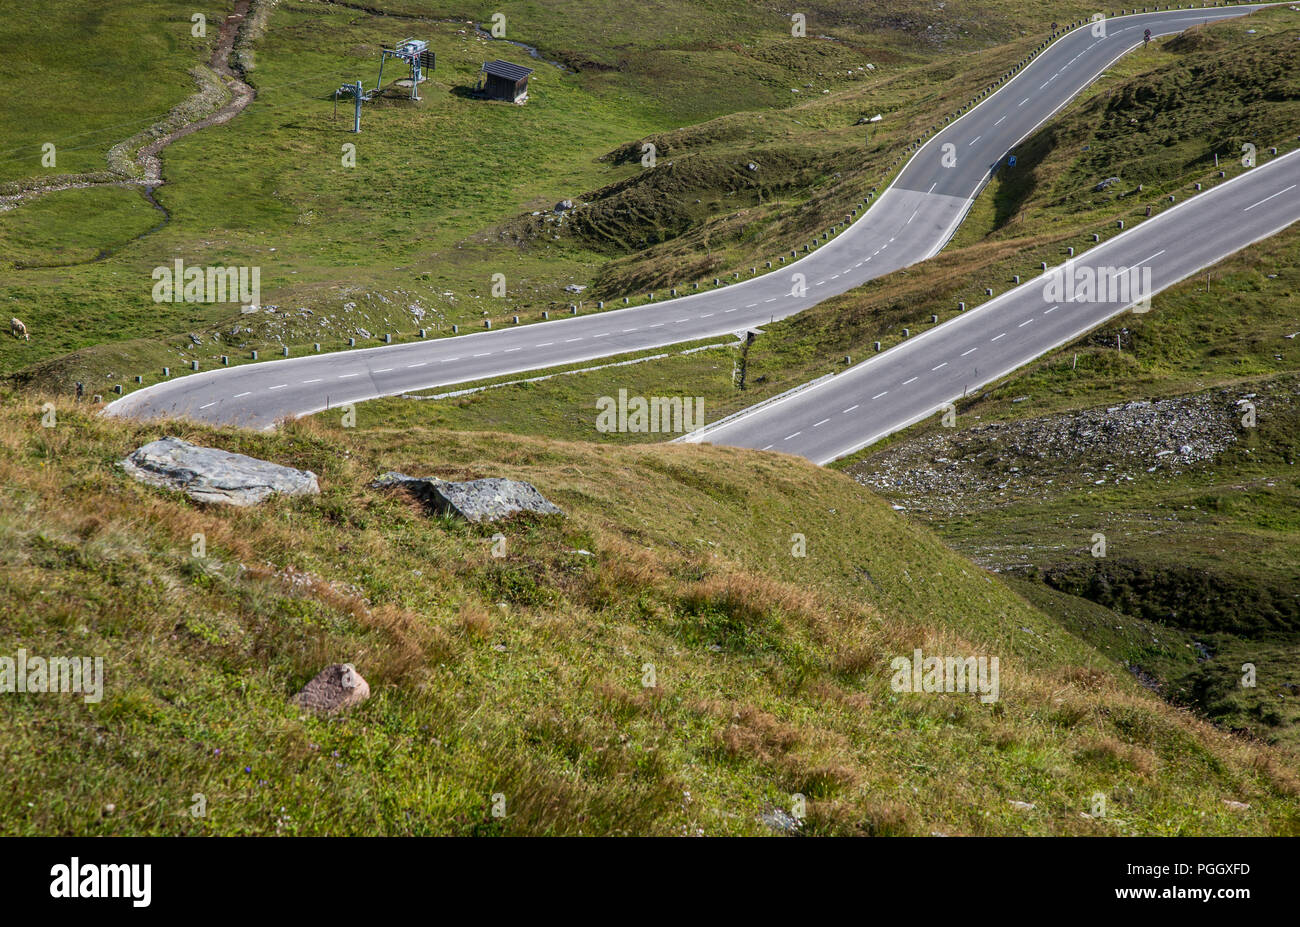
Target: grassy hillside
(522, 676)
(1201, 555)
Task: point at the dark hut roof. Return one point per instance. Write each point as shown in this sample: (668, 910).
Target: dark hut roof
(507, 70)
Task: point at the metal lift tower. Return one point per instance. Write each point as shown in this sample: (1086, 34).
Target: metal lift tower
(415, 52)
(358, 95)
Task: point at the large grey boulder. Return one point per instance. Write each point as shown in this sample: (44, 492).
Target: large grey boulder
(485, 500)
(207, 474)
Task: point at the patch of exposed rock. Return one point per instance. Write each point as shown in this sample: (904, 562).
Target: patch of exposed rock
(336, 687)
(946, 471)
(485, 500)
(207, 474)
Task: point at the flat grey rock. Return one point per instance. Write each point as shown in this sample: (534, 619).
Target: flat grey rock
(485, 500)
(206, 474)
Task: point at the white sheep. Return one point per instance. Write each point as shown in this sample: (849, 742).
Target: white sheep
(19, 330)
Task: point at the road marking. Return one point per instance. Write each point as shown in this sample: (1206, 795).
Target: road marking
(213, 403)
(772, 300)
(974, 140)
(819, 283)
(795, 435)
(944, 364)
(506, 351)
(547, 344)
(317, 380)
(1267, 198)
(1023, 102)
(912, 216)
(878, 395)
(1154, 256)
(422, 363)
(971, 351)
(382, 370)
(848, 410)
(242, 395)
(280, 386)
(913, 380)
(822, 422)
(344, 376)
(932, 186)
(705, 316)
(571, 340)
(768, 448)
(1050, 311)
(733, 310)
(601, 335)
(484, 354)
(750, 306)
(1000, 121)
(1025, 322)
(996, 337)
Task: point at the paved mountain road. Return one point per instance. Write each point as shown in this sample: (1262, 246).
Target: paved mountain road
(903, 385)
(909, 222)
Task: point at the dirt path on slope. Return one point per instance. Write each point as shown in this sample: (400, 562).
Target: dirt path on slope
(147, 158)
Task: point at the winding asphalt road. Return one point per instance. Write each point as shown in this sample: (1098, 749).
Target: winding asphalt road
(911, 221)
(839, 415)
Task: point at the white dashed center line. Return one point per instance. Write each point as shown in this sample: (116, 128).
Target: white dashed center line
(317, 380)
(822, 422)
(971, 351)
(1025, 322)
(913, 380)
(848, 410)
(279, 386)
(944, 364)
(241, 395)
(1267, 198)
(213, 403)
(878, 395)
(996, 337)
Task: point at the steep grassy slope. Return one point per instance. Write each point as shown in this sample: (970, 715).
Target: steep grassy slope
(522, 676)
